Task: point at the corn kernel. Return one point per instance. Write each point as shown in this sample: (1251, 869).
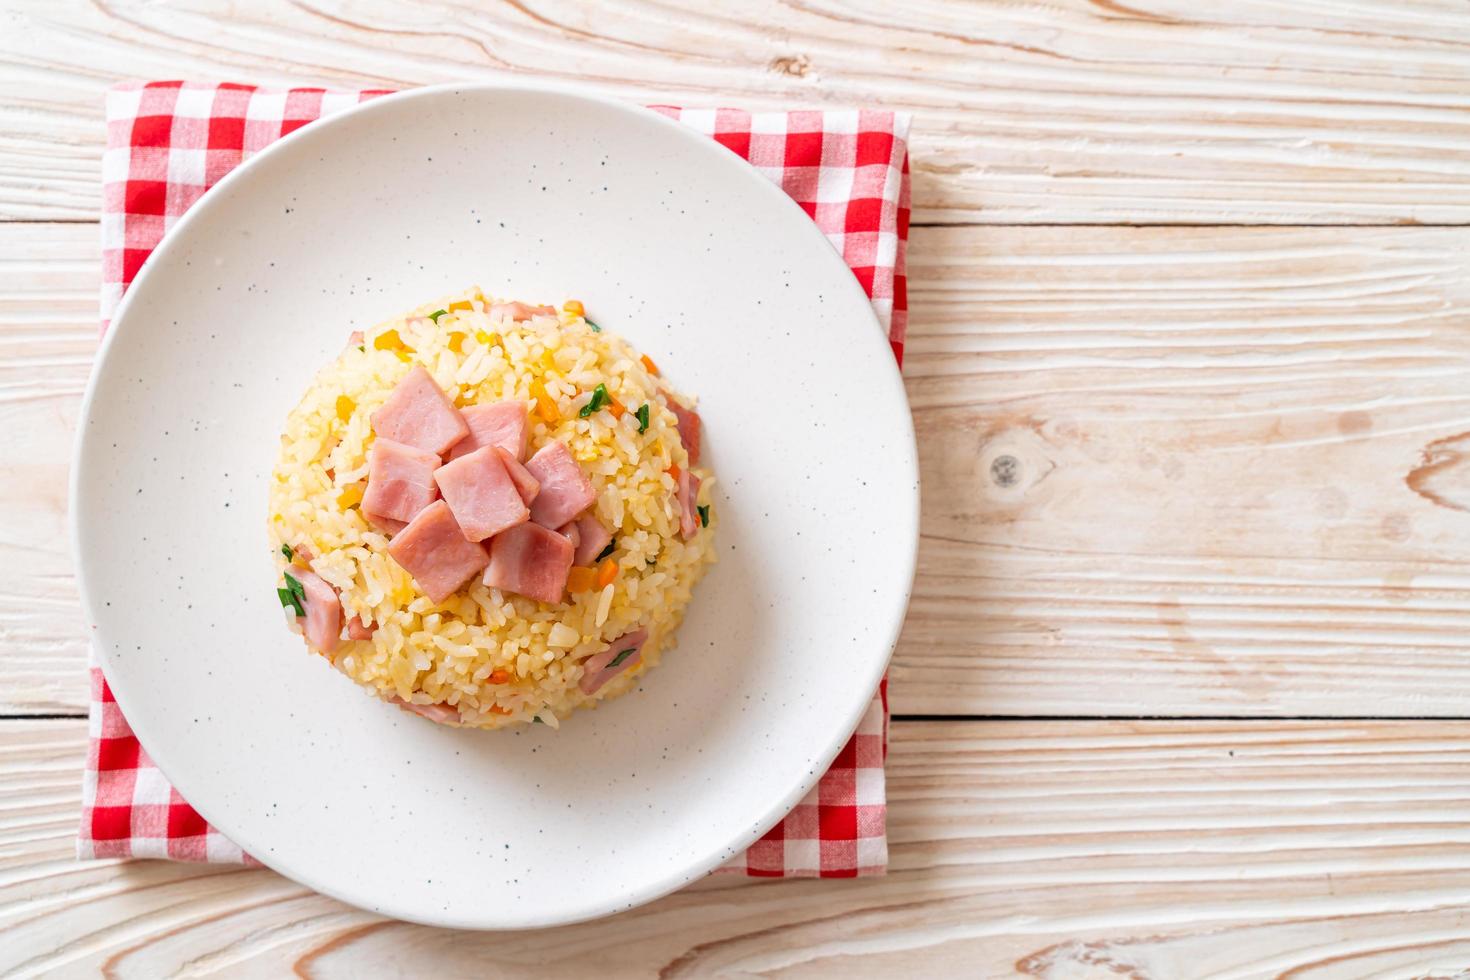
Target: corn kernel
(548, 361)
(574, 307)
(402, 356)
(350, 496)
(460, 304)
(488, 339)
(345, 407)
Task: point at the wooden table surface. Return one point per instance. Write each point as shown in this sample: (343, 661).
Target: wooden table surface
(1185, 698)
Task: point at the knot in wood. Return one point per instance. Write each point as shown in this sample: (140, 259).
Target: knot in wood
(1005, 470)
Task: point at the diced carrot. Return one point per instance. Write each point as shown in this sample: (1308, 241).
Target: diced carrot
(345, 407)
(545, 405)
(461, 304)
(499, 676)
(606, 573)
(581, 579)
(648, 363)
(388, 340)
(496, 709)
(616, 407)
(574, 307)
(674, 471)
(456, 342)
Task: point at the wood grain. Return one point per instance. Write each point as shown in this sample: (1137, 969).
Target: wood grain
(1047, 850)
(1240, 463)
(1237, 465)
(49, 278)
(1154, 111)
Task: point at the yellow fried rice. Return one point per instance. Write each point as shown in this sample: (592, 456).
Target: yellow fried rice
(500, 659)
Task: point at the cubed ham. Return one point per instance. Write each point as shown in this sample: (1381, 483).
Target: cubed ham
(481, 494)
(400, 483)
(355, 338)
(591, 538)
(688, 429)
(572, 533)
(598, 669)
(496, 424)
(387, 525)
(436, 553)
(565, 492)
(519, 475)
(358, 630)
(520, 311)
(323, 626)
(440, 714)
(419, 414)
(688, 503)
(530, 560)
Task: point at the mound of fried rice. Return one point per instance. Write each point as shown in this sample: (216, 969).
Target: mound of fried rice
(499, 659)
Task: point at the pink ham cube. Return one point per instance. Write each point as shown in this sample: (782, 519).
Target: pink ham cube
(688, 430)
(600, 668)
(495, 424)
(689, 522)
(419, 414)
(565, 492)
(400, 483)
(519, 475)
(481, 494)
(590, 538)
(572, 533)
(530, 560)
(520, 311)
(436, 553)
(323, 627)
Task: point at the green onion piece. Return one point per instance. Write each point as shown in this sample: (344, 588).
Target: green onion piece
(622, 656)
(436, 315)
(599, 398)
(606, 552)
(703, 515)
(595, 327)
(286, 550)
(642, 416)
(289, 601)
(537, 720)
(297, 589)
(361, 349)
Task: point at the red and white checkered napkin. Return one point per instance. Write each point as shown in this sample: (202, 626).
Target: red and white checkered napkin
(169, 142)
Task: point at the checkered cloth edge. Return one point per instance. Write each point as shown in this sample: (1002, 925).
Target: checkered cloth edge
(169, 142)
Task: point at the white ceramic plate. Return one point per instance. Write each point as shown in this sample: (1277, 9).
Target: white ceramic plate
(544, 194)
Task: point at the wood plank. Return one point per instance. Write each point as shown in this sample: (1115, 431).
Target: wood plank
(1191, 471)
(1239, 463)
(49, 281)
(1074, 111)
(1048, 850)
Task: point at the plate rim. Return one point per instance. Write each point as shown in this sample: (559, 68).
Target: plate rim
(908, 509)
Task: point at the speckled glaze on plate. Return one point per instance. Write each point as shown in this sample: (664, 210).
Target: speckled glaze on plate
(544, 193)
